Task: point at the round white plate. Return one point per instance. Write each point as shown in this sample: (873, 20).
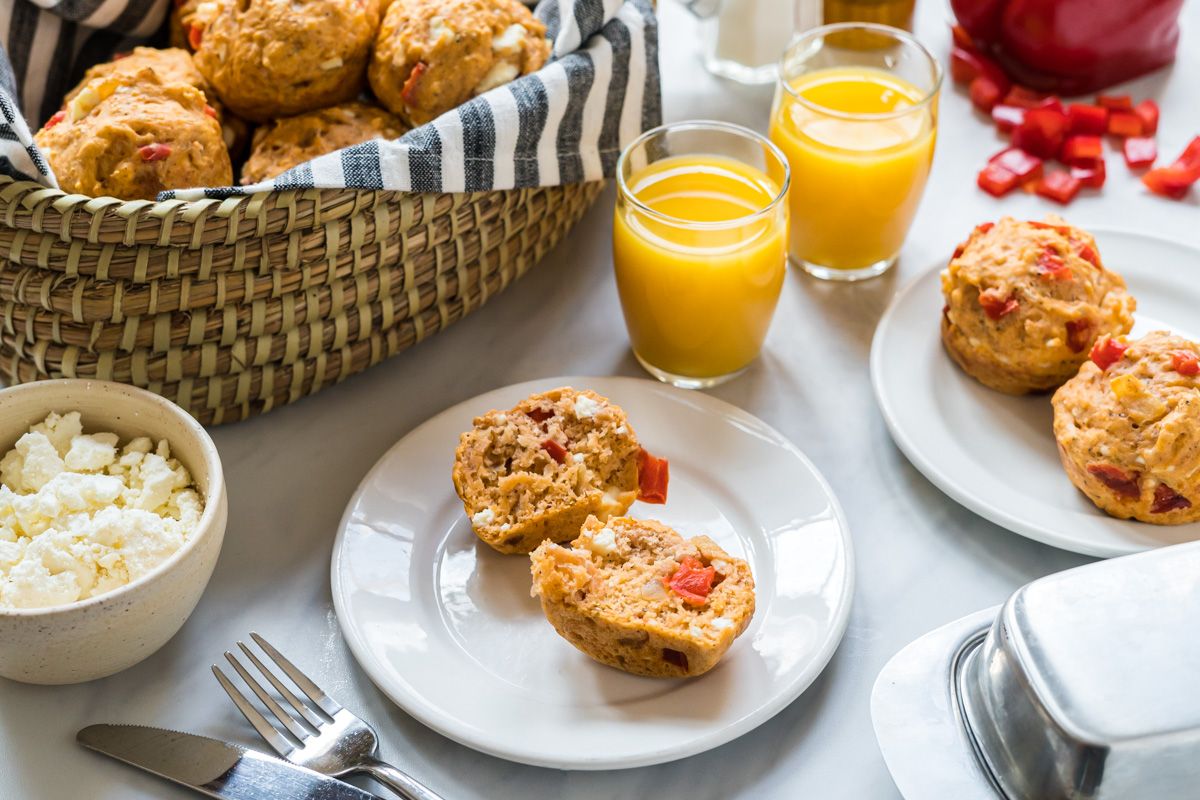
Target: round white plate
(446, 628)
(995, 453)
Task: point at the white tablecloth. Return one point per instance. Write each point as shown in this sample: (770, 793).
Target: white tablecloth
(922, 560)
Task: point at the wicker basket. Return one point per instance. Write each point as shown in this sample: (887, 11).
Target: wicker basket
(232, 307)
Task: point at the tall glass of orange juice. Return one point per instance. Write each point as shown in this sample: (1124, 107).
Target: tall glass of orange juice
(856, 114)
(699, 248)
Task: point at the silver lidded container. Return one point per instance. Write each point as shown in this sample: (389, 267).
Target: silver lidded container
(1086, 686)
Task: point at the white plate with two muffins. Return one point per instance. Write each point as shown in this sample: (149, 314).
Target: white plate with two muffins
(447, 629)
(996, 453)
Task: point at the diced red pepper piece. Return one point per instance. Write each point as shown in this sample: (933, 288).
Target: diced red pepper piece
(985, 93)
(965, 65)
(1124, 123)
(1107, 351)
(1089, 254)
(692, 581)
(1190, 157)
(1185, 363)
(995, 305)
(119, 56)
(1042, 132)
(983, 228)
(210, 111)
(1167, 499)
(1090, 175)
(1087, 120)
(1117, 479)
(1007, 117)
(1172, 182)
(1023, 97)
(1140, 151)
(996, 180)
(1053, 103)
(1015, 160)
(555, 450)
(195, 35)
(1148, 111)
(1079, 333)
(154, 152)
(55, 118)
(407, 92)
(1081, 149)
(1051, 265)
(1065, 230)
(1115, 102)
(653, 476)
(961, 37)
(540, 414)
(1059, 187)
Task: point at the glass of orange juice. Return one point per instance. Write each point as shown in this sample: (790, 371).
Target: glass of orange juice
(699, 248)
(856, 113)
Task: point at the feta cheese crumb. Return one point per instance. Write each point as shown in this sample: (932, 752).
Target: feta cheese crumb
(621, 430)
(498, 75)
(721, 623)
(603, 543)
(509, 42)
(586, 407)
(484, 517)
(577, 458)
(331, 63)
(654, 590)
(505, 526)
(77, 522)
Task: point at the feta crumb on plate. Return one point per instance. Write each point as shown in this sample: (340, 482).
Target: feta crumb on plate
(79, 519)
(586, 407)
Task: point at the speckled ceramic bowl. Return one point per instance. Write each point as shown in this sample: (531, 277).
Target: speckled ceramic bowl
(101, 635)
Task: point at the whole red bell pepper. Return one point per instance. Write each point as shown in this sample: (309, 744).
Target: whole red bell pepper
(1073, 46)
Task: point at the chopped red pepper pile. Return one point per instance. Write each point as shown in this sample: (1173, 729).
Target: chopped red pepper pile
(653, 476)
(692, 581)
(1043, 129)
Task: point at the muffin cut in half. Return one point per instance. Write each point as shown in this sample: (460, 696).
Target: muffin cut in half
(1025, 301)
(635, 595)
(1128, 428)
(538, 470)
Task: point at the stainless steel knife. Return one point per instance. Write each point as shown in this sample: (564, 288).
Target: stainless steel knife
(212, 767)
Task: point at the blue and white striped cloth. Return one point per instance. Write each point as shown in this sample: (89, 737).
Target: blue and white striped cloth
(565, 123)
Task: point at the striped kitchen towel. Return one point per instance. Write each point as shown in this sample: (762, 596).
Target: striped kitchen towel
(565, 123)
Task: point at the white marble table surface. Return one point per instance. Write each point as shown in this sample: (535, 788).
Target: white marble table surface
(922, 560)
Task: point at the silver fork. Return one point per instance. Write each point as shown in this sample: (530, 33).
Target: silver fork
(327, 739)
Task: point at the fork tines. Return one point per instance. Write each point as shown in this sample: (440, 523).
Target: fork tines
(310, 718)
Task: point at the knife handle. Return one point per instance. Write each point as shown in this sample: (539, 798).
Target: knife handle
(404, 785)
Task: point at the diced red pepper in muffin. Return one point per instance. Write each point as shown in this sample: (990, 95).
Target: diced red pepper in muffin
(540, 414)
(1051, 265)
(1185, 363)
(1139, 151)
(1167, 499)
(1107, 351)
(1089, 254)
(408, 91)
(1079, 333)
(55, 118)
(154, 152)
(555, 450)
(692, 581)
(1116, 479)
(195, 35)
(653, 476)
(995, 305)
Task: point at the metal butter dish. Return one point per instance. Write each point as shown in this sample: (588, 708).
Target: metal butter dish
(1085, 685)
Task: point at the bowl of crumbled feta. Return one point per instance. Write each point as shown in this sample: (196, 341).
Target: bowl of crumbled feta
(112, 514)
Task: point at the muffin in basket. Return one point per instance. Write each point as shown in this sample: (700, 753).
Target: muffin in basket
(132, 136)
(1128, 428)
(172, 65)
(276, 58)
(433, 55)
(637, 596)
(1026, 300)
(540, 469)
(283, 143)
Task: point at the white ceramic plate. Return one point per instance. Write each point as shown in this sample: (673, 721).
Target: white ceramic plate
(446, 628)
(996, 454)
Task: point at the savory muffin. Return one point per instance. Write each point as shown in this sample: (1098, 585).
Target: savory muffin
(185, 26)
(131, 136)
(637, 596)
(538, 470)
(172, 65)
(1128, 428)
(1026, 300)
(433, 55)
(276, 58)
(282, 144)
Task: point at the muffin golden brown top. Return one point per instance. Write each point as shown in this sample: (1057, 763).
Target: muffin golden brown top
(132, 136)
(274, 58)
(1028, 299)
(1130, 422)
(284, 143)
(172, 65)
(433, 55)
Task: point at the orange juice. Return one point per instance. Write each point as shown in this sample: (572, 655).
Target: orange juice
(858, 172)
(700, 248)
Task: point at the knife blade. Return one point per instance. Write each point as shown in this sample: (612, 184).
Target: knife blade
(212, 767)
